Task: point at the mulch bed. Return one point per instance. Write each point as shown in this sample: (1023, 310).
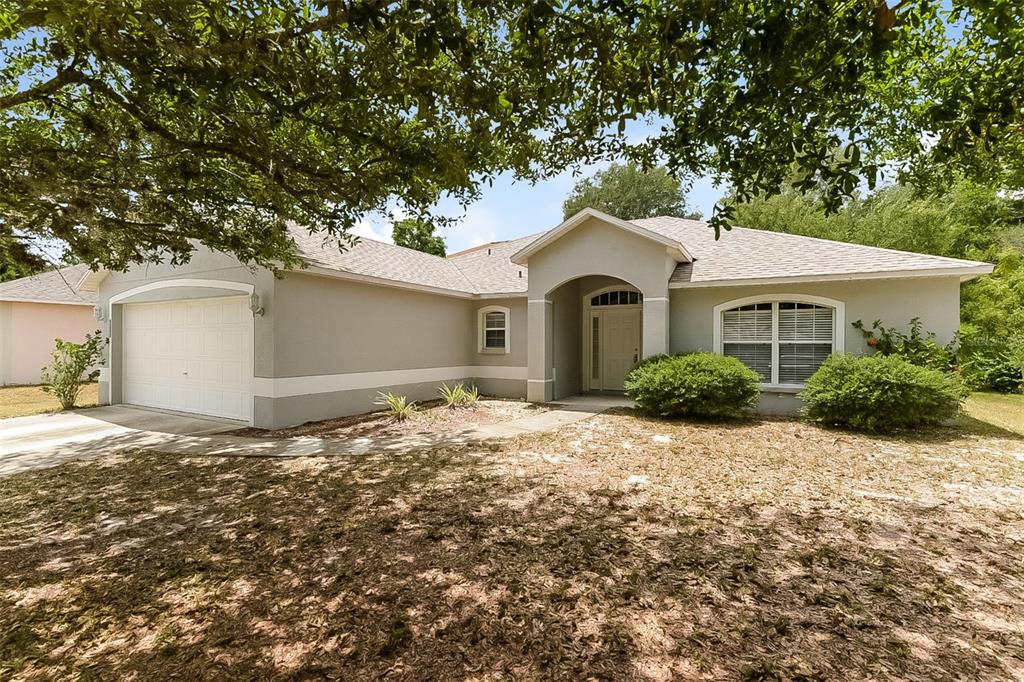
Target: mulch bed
(617, 548)
(430, 417)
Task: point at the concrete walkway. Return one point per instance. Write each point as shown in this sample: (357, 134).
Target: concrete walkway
(48, 440)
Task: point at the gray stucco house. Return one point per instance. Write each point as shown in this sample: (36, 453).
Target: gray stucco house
(542, 317)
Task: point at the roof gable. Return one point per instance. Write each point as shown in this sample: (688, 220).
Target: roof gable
(673, 246)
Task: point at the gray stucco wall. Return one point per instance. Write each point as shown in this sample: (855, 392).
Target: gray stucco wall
(315, 326)
(936, 300)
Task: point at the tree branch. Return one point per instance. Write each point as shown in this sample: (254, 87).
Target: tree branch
(66, 76)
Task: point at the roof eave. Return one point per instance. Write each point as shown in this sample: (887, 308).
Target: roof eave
(6, 299)
(964, 274)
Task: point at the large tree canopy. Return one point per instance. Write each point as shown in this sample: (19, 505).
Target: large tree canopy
(629, 192)
(132, 129)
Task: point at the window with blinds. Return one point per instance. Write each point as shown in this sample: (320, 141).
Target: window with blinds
(805, 340)
(494, 329)
(747, 335)
(784, 342)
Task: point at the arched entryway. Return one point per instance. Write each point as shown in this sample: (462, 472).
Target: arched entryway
(593, 330)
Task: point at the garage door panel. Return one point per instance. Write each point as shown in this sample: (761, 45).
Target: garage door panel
(193, 356)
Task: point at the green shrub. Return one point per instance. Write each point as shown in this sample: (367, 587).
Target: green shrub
(66, 373)
(458, 395)
(693, 385)
(880, 393)
(398, 406)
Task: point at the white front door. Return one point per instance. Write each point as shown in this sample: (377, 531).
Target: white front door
(615, 339)
(191, 355)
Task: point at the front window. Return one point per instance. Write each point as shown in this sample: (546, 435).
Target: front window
(783, 341)
(494, 330)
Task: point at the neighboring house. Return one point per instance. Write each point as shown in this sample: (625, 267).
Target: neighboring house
(541, 317)
(36, 310)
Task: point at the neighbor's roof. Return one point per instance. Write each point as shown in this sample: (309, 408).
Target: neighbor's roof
(54, 286)
(744, 255)
(740, 256)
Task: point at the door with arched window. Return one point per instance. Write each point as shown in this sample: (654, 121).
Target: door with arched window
(612, 337)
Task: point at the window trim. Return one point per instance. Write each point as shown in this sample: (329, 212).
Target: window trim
(481, 322)
(838, 325)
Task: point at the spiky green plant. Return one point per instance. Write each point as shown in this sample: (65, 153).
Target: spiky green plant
(398, 406)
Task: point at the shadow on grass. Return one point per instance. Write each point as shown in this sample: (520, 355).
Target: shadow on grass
(964, 426)
(456, 564)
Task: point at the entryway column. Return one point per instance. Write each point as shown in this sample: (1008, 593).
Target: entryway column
(540, 385)
(655, 325)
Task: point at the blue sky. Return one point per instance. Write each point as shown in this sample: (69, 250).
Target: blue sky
(512, 209)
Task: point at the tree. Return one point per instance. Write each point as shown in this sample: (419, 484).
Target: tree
(133, 130)
(629, 192)
(16, 259)
(418, 234)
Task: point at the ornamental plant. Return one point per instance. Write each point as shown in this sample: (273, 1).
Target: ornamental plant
(704, 385)
(72, 366)
(880, 393)
(917, 347)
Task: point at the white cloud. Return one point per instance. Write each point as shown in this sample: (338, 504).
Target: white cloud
(365, 228)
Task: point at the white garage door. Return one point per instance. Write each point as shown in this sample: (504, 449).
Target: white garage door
(190, 355)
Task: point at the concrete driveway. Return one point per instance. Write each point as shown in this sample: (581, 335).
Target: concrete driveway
(48, 439)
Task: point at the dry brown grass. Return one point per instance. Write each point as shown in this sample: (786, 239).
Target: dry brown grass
(22, 401)
(430, 417)
(618, 548)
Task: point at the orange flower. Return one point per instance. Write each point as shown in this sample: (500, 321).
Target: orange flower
(872, 342)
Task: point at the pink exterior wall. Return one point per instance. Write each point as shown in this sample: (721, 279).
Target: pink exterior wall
(27, 332)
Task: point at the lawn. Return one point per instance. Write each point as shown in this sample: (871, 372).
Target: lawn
(616, 548)
(21, 401)
(1001, 409)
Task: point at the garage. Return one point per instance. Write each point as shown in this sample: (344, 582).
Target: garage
(190, 355)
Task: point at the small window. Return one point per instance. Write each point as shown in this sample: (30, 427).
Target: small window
(494, 330)
(623, 297)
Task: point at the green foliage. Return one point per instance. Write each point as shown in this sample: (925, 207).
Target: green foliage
(965, 221)
(418, 234)
(131, 129)
(16, 259)
(880, 393)
(629, 192)
(67, 371)
(399, 407)
(693, 385)
(996, 367)
(458, 395)
(915, 347)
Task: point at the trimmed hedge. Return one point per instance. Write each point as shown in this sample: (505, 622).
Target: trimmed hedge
(693, 385)
(879, 393)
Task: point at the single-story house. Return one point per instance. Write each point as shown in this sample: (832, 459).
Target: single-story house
(34, 311)
(545, 316)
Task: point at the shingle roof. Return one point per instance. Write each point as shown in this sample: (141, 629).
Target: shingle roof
(741, 254)
(489, 269)
(54, 286)
(378, 259)
(746, 254)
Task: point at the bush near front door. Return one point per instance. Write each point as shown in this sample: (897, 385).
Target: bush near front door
(703, 385)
